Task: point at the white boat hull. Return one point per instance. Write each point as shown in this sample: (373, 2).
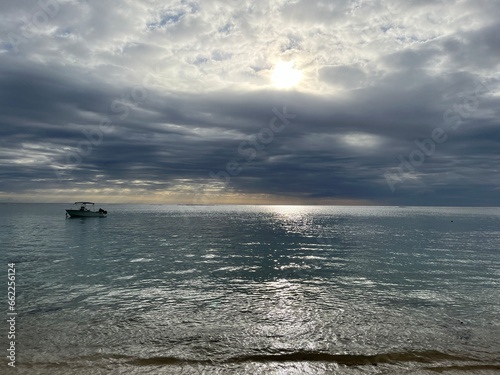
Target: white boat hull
(79, 213)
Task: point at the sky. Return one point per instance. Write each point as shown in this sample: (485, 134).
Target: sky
(357, 102)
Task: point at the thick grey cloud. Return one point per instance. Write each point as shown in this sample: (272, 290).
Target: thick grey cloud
(175, 102)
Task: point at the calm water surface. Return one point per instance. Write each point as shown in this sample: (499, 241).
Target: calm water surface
(155, 289)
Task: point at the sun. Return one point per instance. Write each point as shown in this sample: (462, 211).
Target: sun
(285, 76)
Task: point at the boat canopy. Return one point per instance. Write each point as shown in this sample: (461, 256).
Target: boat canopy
(84, 203)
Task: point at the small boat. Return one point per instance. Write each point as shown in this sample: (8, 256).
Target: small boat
(85, 209)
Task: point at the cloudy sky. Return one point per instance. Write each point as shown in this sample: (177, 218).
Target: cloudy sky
(239, 101)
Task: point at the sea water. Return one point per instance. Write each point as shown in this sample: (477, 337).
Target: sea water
(156, 289)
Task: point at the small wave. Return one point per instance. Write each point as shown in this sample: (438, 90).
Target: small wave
(433, 361)
(306, 356)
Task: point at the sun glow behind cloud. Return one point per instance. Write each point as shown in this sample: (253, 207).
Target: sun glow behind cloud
(285, 76)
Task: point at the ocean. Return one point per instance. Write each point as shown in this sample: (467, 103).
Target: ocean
(180, 289)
